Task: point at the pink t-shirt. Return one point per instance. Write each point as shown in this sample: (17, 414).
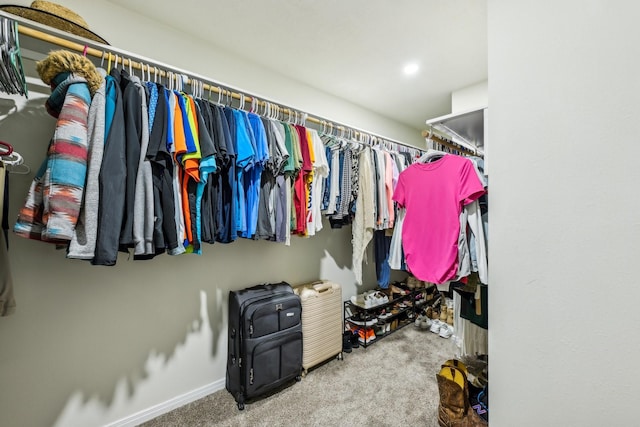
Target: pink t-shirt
(434, 195)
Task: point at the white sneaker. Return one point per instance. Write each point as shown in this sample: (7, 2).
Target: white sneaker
(435, 326)
(426, 323)
(378, 298)
(445, 330)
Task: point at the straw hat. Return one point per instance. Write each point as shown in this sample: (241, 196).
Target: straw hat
(55, 16)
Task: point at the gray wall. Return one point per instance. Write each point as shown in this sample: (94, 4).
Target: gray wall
(93, 345)
(564, 105)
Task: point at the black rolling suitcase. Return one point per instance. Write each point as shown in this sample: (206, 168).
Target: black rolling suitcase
(265, 340)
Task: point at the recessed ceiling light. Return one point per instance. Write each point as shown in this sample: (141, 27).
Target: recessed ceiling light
(410, 69)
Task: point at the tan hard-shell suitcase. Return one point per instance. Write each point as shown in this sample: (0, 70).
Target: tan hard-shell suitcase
(321, 322)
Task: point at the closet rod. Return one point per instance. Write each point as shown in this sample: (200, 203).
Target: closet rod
(125, 59)
(447, 143)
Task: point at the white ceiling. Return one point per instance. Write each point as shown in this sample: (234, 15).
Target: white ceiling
(354, 49)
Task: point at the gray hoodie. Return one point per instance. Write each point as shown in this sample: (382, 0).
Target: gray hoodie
(83, 241)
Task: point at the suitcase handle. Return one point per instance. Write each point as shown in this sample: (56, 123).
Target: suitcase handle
(323, 287)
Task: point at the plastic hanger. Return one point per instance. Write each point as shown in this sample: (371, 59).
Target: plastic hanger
(194, 88)
(14, 160)
(109, 64)
(431, 155)
(101, 68)
(5, 148)
(241, 102)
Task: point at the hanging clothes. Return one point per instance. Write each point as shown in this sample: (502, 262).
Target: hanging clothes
(52, 207)
(211, 157)
(232, 191)
(165, 231)
(85, 233)
(266, 227)
(132, 109)
(433, 195)
(112, 178)
(143, 205)
(253, 184)
(189, 160)
(226, 187)
(207, 167)
(396, 255)
(246, 153)
(7, 299)
(320, 173)
(342, 215)
(364, 220)
(302, 182)
(166, 171)
(174, 139)
(282, 202)
(333, 189)
(478, 217)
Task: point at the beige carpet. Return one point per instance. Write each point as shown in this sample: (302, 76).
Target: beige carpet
(390, 383)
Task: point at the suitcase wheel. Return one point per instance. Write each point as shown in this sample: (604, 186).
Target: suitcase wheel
(299, 378)
(240, 401)
(340, 356)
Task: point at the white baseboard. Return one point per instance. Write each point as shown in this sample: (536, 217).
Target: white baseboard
(171, 404)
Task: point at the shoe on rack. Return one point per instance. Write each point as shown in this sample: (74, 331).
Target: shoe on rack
(445, 330)
(366, 299)
(370, 300)
(380, 298)
(429, 312)
(366, 335)
(346, 341)
(398, 290)
(354, 338)
(443, 312)
(426, 323)
(450, 317)
(363, 319)
(358, 300)
(435, 326)
(411, 282)
(450, 312)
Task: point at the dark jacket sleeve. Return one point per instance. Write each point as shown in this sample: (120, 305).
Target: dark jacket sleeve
(112, 181)
(132, 106)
